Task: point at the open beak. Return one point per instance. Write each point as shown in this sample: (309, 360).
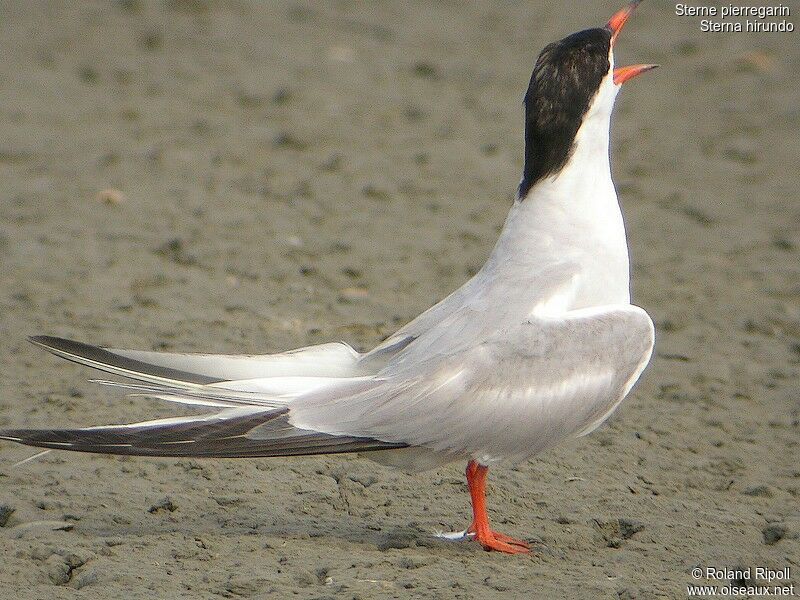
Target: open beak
(615, 25)
(623, 74)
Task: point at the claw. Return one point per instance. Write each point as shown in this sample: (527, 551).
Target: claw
(510, 540)
(493, 543)
(494, 540)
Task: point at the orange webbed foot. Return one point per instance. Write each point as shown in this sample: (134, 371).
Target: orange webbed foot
(493, 544)
(500, 542)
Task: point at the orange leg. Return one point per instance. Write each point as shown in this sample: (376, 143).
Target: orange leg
(490, 540)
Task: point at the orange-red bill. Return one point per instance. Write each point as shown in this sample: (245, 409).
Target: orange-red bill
(623, 74)
(616, 22)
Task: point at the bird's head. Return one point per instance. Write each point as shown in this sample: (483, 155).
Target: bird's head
(574, 80)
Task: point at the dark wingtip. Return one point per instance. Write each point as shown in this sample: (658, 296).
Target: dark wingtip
(49, 342)
(52, 343)
(45, 340)
(100, 358)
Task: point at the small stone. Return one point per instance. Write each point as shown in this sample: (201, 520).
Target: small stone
(353, 293)
(110, 197)
(165, 504)
(629, 527)
(58, 571)
(73, 559)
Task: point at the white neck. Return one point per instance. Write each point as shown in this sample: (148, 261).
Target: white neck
(573, 216)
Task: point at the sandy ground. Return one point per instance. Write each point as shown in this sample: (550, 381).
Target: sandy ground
(298, 173)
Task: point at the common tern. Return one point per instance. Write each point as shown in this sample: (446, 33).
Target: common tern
(541, 345)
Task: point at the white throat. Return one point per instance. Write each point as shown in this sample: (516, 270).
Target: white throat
(574, 216)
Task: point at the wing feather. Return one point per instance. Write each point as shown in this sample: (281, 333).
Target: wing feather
(231, 433)
(520, 391)
(191, 370)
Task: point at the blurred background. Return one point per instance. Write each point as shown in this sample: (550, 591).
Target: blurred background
(236, 176)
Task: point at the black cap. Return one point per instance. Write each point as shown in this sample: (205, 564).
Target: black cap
(564, 82)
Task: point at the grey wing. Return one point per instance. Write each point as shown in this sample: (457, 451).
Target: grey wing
(551, 284)
(515, 392)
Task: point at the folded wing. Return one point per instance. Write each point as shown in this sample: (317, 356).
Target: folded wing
(522, 389)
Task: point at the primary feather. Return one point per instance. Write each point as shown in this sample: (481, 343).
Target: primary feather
(231, 433)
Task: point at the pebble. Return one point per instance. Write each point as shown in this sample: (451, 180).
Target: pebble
(162, 505)
(58, 572)
(111, 197)
(353, 293)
